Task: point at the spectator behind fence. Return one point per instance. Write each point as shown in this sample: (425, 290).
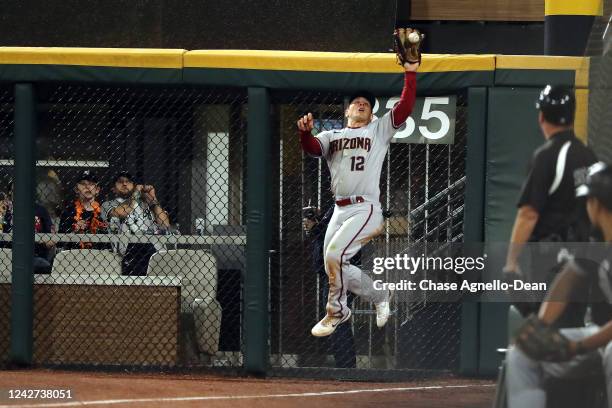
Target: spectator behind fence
(42, 224)
(83, 215)
(135, 210)
(49, 194)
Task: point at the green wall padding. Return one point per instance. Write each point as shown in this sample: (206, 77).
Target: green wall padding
(512, 136)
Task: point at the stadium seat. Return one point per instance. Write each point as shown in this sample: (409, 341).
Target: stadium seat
(87, 262)
(198, 271)
(207, 317)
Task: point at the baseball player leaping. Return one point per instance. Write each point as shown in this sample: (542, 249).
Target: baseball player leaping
(355, 157)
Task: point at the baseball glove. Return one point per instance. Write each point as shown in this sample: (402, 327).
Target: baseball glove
(542, 342)
(407, 47)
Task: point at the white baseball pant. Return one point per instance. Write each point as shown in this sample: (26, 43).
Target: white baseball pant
(525, 377)
(349, 229)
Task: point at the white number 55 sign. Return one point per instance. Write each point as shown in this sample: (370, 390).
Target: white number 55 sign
(431, 121)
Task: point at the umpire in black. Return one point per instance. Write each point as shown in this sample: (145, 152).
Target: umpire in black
(341, 342)
(548, 210)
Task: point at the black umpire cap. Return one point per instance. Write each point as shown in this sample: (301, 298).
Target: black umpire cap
(597, 184)
(557, 104)
(364, 94)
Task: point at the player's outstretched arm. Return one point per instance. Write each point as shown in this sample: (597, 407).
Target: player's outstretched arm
(407, 45)
(404, 107)
(309, 143)
(408, 67)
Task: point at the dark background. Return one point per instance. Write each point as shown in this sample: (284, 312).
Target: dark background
(191, 24)
(315, 25)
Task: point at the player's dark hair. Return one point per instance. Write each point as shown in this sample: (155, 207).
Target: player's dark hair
(364, 94)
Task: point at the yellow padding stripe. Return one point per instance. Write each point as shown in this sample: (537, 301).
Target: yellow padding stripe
(104, 57)
(578, 64)
(301, 61)
(330, 61)
(581, 123)
(582, 74)
(573, 8)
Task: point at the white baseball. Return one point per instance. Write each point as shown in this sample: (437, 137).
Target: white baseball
(414, 37)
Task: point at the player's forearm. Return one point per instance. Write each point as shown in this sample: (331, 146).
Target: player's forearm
(404, 107)
(309, 143)
(550, 311)
(525, 222)
(599, 339)
(558, 295)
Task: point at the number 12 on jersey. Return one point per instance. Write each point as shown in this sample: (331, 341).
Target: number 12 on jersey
(357, 163)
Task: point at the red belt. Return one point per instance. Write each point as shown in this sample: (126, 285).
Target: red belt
(350, 200)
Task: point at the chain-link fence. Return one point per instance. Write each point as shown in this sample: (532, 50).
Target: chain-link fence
(422, 197)
(140, 244)
(141, 232)
(6, 143)
(600, 83)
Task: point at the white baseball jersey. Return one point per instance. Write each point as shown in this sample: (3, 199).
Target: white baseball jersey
(355, 157)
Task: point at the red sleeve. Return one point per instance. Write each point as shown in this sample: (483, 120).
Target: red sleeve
(310, 144)
(404, 107)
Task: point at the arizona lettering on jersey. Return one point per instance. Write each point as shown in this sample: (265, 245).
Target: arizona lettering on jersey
(363, 143)
(355, 157)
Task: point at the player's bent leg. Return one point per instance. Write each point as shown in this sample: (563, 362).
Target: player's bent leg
(359, 283)
(364, 220)
(338, 285)
(362, 285)
(383, 310)
(337, 310)
(360, 222)
(332, 228)
(330, 321)
(524, 381)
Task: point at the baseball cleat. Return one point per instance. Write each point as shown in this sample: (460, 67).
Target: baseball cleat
(383, 311)
(328, 325)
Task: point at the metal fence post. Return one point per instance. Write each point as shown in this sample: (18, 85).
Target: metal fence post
(475, 164)
(256, 315)
(23, 225)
